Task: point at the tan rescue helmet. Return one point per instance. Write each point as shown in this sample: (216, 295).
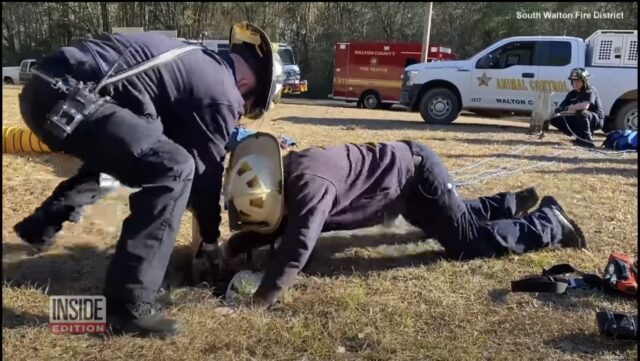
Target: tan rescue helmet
(253, 188)
(253, 45)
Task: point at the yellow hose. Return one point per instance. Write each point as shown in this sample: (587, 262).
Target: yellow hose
(20, 139)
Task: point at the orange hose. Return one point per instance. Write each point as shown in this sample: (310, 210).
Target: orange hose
(20, 139)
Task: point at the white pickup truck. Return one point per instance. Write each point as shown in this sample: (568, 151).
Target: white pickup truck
(506, 76)
(17, 74)
(10, 74)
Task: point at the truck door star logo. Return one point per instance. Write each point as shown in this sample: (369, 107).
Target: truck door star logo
(483, 80)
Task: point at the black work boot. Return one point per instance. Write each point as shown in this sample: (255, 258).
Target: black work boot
(572, 236)
(525, 200)
(37, 232)
(140, 318)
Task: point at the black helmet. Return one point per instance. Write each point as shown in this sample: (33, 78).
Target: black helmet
(579, 74)
(254, 47)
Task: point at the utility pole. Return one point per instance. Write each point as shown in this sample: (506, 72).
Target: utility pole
(427, 32)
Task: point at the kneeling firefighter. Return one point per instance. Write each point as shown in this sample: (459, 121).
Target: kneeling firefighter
(580, 114)
(160, 125)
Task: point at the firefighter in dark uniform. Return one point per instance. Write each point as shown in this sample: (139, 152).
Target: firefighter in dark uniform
(163, 131)
(352, 186)
(580, 113)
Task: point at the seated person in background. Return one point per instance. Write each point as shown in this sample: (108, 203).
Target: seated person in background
(580, 113)
(351, 186)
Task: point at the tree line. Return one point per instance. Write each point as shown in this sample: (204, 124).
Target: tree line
(32, 30)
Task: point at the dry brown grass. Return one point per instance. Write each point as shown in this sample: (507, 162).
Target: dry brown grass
(366, 297)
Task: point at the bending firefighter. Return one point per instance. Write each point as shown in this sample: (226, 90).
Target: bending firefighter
(580, 113)
(158, 120)
(352, 186)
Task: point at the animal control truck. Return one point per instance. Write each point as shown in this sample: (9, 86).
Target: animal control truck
(371, 73)
(507, 75)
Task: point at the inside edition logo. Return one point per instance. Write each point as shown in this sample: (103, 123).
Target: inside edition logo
(77, 314)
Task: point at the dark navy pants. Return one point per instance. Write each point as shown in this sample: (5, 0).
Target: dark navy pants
(478, 228)
(133, 150)
(498, 206)
(582, 124)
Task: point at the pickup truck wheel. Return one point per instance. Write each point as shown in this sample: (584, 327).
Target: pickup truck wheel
(627, 116)
(439, 106)
(7, 80)
(370, 100)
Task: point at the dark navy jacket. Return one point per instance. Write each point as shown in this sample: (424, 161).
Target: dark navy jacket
(589, 95)
(341, 187)
(195, 97)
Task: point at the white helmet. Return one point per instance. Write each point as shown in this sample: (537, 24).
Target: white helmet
(253, 188)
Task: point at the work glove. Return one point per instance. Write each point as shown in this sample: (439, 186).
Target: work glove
(259, 303)
(215, 264)
(205, 264)
(265, 298)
